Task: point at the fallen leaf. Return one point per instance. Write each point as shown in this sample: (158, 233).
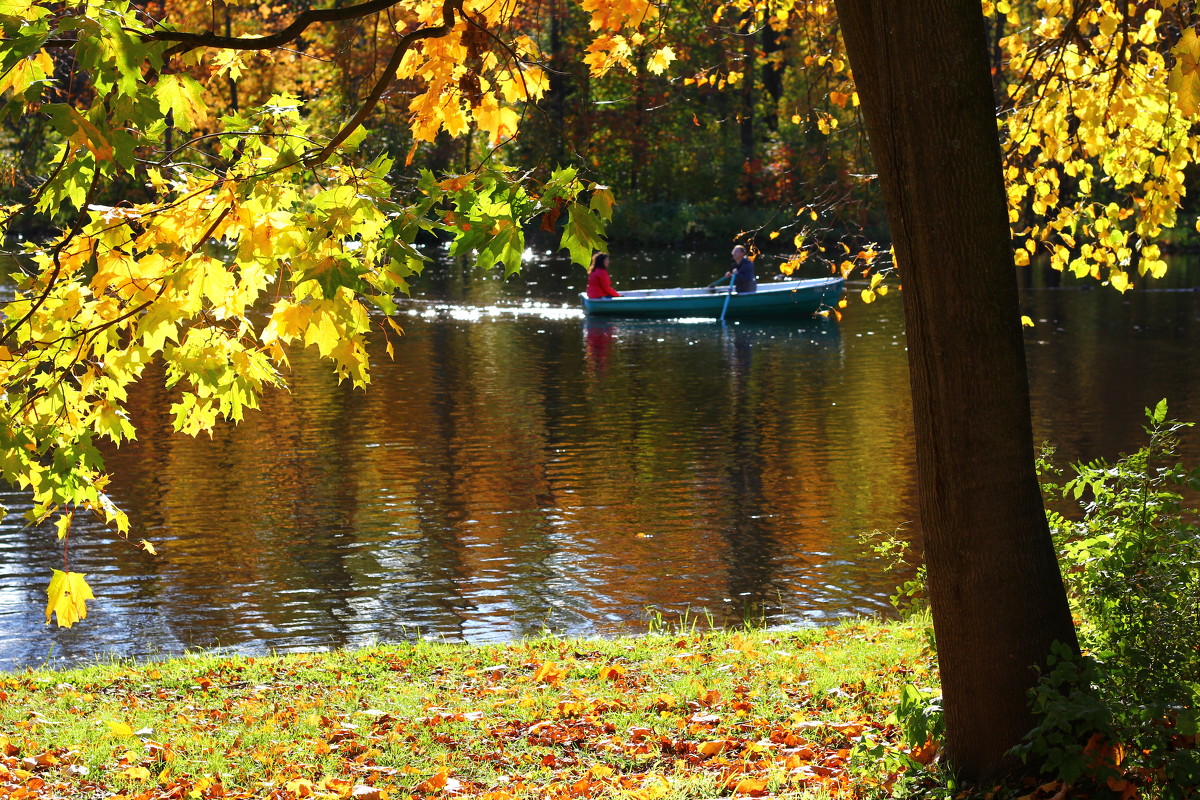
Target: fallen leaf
(715, 747)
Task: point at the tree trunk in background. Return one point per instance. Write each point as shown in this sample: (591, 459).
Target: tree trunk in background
(637, 137)
(749, 191)
(772, 75)
(560, 86)
(922, 72)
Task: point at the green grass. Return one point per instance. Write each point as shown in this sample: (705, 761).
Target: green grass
(684, 715)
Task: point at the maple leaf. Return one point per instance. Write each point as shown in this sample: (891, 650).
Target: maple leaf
(1185, 77)
(182, 96)
(67, 594)
(661, 60)
(582, 234)
(602, 202)
(499, 121)
(120, 730)
(84, 133)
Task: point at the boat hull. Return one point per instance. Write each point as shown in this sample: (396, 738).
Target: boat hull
(784, 299)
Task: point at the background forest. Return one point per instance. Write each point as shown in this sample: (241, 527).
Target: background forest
(720, 119)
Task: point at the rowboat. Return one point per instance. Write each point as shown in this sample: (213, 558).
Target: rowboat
(783, 299)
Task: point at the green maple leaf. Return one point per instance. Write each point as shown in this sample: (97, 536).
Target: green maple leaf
(582, 234)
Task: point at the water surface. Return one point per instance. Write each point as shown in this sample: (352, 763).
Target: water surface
(518, 468)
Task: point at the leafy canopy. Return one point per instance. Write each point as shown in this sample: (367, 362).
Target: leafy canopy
(209, 236)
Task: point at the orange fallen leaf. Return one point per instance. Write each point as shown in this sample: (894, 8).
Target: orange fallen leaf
(656, 786)
(548, 673)
(715, 747)
(611, 672)
(435, 783)
(746, 785)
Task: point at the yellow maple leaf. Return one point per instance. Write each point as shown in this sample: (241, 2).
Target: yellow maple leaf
(67, 593)
(1185, 76)
(661, 60)
(287, 321)
(183, 95)
(136, 773)
(654, 787)
(499, 121)
(300, 787)
(120, 730)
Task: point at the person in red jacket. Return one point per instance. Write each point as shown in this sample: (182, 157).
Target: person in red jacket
(598, 282)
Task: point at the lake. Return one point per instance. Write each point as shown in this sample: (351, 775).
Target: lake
(519, 469)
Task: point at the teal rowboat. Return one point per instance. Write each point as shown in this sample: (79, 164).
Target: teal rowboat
(783, 299)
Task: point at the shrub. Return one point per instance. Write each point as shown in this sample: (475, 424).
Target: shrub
(1124, 716)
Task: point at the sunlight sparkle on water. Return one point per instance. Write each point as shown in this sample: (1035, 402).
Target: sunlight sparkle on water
(466, 313)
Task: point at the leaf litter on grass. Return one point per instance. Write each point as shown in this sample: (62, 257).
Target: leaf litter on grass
(701, 715)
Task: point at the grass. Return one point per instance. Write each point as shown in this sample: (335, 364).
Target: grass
(683, 715)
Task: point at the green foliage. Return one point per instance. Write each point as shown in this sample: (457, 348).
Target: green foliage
(674, 222)
(1127, 712)
(918, 710)
(919, 715)
(912, 596)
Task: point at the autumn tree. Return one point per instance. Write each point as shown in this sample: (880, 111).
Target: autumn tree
(196, 163)
(923, 72)
(175, 222)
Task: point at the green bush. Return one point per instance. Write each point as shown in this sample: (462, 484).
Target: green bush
(1124, 716)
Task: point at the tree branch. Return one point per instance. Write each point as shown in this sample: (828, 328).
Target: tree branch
(190, 41)
(80, 219)
(385, 79)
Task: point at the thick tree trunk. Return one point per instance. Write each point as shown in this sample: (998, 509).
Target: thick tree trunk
(921, 68)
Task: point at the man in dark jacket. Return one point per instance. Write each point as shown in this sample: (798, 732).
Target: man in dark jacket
(743, 267)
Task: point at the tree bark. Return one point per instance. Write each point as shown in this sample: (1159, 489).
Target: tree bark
(922, 73)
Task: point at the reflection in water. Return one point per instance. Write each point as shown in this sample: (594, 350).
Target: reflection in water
(518, 467)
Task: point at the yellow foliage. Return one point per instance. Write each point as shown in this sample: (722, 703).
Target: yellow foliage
(1080, 115)
(68, 593)
(663, 57)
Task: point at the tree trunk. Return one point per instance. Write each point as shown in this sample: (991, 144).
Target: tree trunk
(750, 184)
(772, 74)
(921, 69)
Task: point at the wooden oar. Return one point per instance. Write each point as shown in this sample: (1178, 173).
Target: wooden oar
(728, 295)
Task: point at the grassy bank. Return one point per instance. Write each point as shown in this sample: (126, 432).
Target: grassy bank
(685, 715)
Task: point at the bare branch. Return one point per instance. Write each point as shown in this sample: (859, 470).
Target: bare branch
(190, 41)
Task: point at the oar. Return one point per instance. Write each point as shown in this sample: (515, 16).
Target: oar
(728, 295)
(714, 283)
